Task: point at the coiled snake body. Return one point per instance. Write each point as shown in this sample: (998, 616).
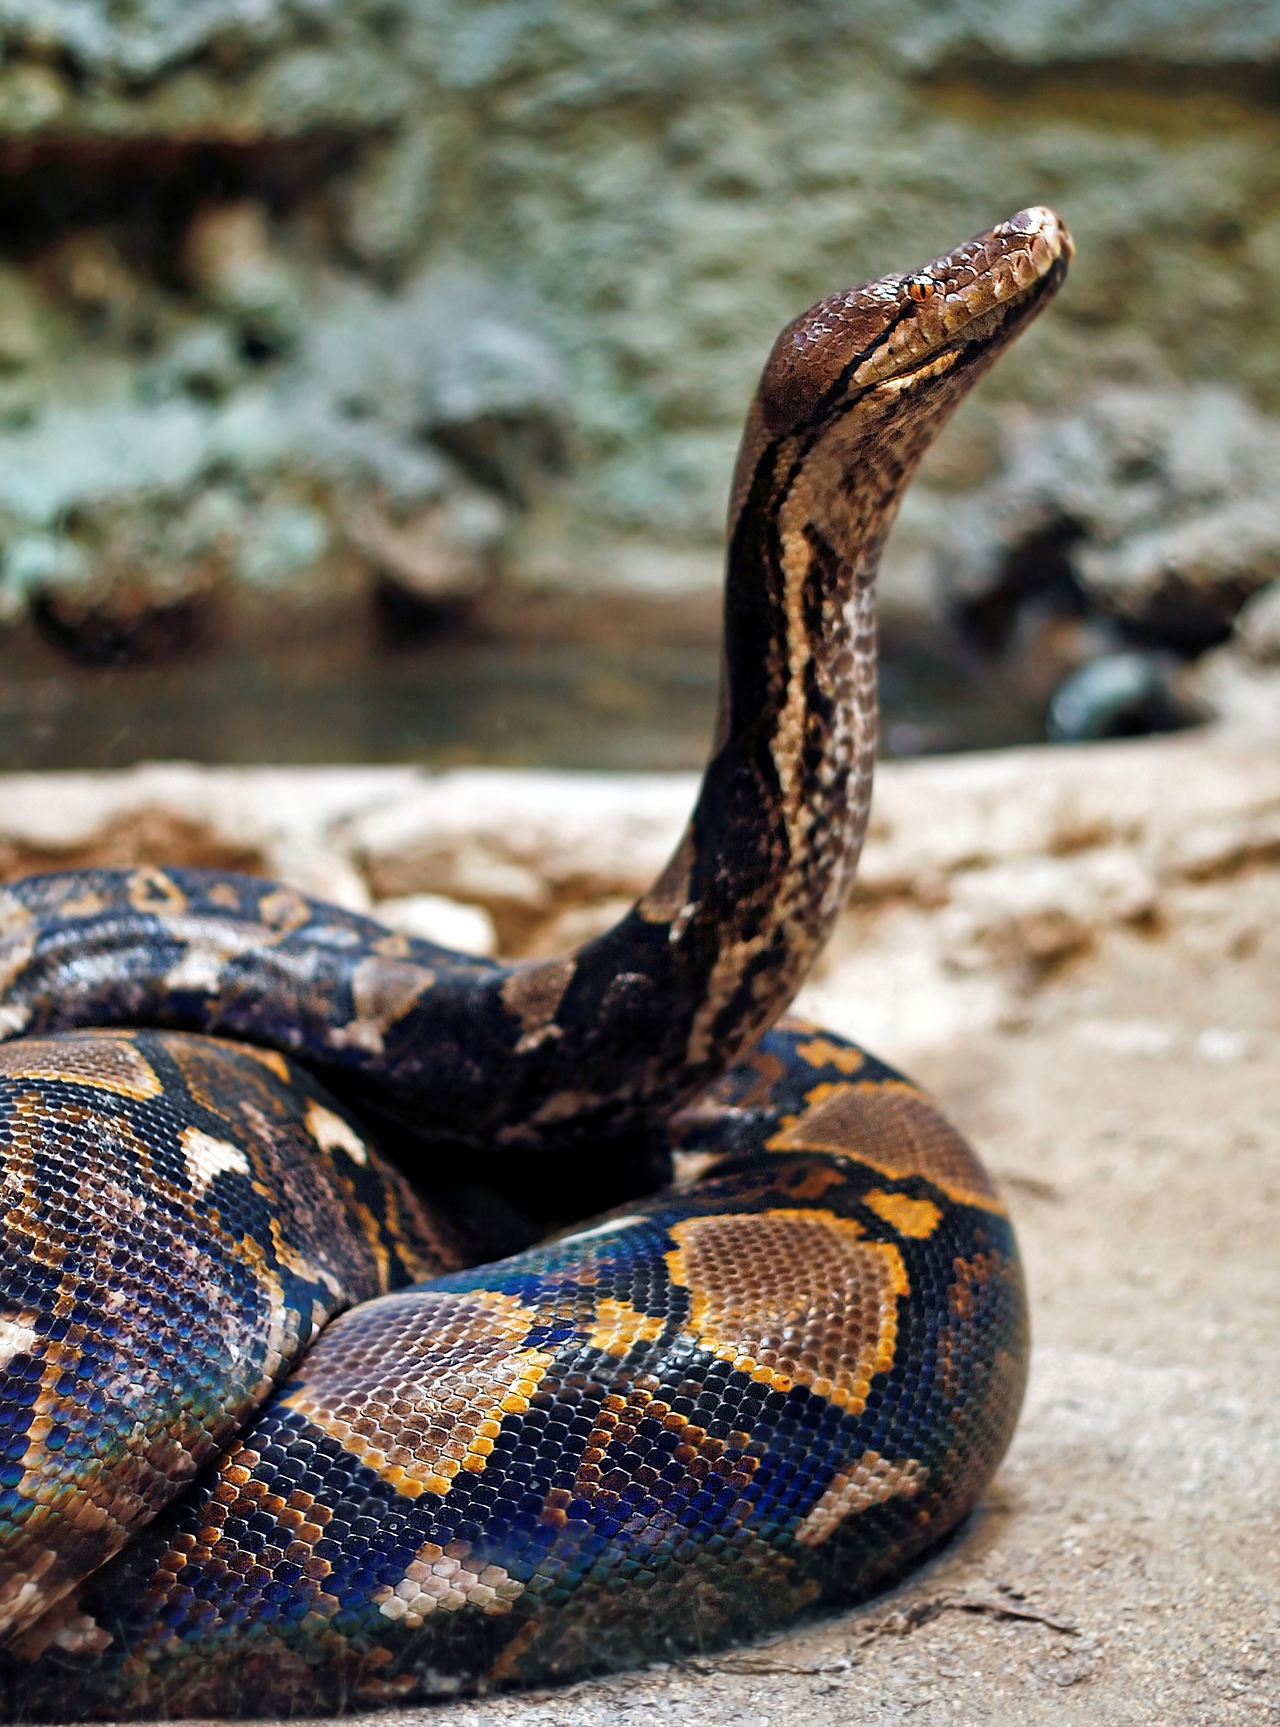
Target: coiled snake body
(270, 1440)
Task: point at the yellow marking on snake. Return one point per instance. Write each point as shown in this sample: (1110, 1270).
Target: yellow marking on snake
(444, 1579)
(382, 991)
(619, 1325)
(302, 1265)
(268, 1058)
(873, 1480)
(151, 890)
(207, 1158)
(284, 910)
(821, 1052)
(331, 1133)
(533, 995)
(915, 1218)
(85, 905)
(16, 1338)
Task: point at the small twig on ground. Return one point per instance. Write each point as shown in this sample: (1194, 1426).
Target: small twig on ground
(921, 1612)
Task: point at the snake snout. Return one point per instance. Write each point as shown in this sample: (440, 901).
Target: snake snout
(1040, 219)
(867, 335)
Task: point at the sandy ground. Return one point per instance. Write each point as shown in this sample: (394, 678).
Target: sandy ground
(1125, 1566)
(1114, 1052)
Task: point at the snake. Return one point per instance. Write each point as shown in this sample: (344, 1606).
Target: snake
(380, 1323)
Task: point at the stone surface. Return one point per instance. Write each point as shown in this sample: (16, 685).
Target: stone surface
(1077, 950)
(220, 474)
(981, 876)
(1243, 691)
(1151, 508)
(431, 916)
(1117, 695)
(1257, 626)
(638, 201)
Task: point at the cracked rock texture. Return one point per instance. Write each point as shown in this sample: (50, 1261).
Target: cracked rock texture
(1077, 951)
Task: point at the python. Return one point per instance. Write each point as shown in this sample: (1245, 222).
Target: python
(277, 1431)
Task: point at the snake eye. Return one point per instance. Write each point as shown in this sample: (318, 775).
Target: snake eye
(922, 287)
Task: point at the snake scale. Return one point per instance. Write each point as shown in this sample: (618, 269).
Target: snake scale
(272, 1440)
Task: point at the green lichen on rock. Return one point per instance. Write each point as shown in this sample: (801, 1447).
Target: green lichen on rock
(646, 193)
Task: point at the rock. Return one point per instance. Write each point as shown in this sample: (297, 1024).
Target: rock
(277, 823)
(1032, 914)
(281, 546)
(1184, 584)
(468, 928)
(1257, 627)
(88, 274)
(314, 452)
(129, 585)
(983, 879)
(1025, 33)
(230, 260)
(389, 200)
(1117, 695)
(127, 626)
(27, 338)
(450, 356)
(32, 98)
(294, 431)
(473, 51)
(443, 553)
(1152, 508)
(72, 459)
(543, 835)
(203, 361)
(632, 216)
(35, 563)
(1237, 688)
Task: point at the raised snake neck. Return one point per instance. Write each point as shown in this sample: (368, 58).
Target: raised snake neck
(594, 1046)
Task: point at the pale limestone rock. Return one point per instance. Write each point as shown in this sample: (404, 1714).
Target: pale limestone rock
(1241, 690)
(1258, 625)
(986, 880)
(468, 928)
(524, 836)
(1038, 911)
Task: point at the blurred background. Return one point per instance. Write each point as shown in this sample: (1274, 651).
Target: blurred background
(371, 371)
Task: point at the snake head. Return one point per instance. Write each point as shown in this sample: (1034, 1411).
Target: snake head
(962, 307)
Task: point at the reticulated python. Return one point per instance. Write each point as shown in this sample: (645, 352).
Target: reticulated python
(770, 1387)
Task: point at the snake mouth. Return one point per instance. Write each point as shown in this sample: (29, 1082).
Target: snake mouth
(996, 267)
